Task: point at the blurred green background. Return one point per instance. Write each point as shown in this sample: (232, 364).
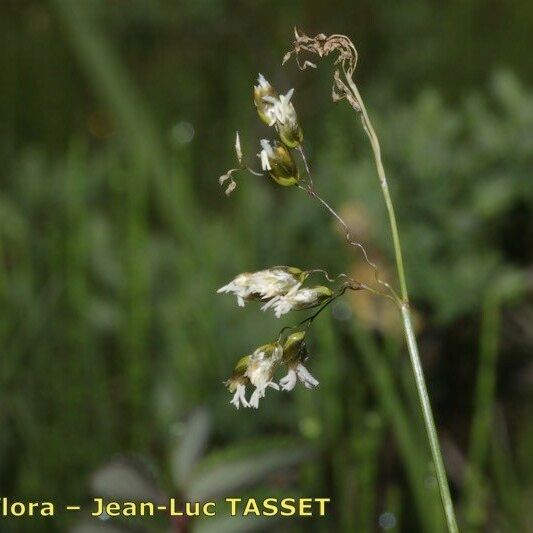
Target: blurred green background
(116, 119)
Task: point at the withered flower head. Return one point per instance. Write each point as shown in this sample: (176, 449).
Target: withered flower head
(323, 45)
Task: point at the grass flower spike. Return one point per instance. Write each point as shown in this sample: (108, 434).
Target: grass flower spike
(236, 384)
(258, 369)
(294, 354)
(264, 284)
(285, 119)
(278, 111)
(275, 157)
(278, 161)
(297, 299)
(264, 93)
(261, 368)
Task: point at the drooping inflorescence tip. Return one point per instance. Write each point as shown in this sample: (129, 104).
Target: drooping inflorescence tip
(322, 46)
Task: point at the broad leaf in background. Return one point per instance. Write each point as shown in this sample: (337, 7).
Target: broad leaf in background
(248, 465)
(225, 473)
(124, 479)
(190, 447)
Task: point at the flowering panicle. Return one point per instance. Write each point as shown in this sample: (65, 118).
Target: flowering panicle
(278, 288)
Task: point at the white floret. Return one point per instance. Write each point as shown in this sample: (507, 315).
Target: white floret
(299, 373)
(239, 397)
(265, 284)
(296, 298)
(260, 393)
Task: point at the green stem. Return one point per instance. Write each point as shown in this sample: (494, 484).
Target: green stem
(406, 318)
(376, 149)
(428, 420)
